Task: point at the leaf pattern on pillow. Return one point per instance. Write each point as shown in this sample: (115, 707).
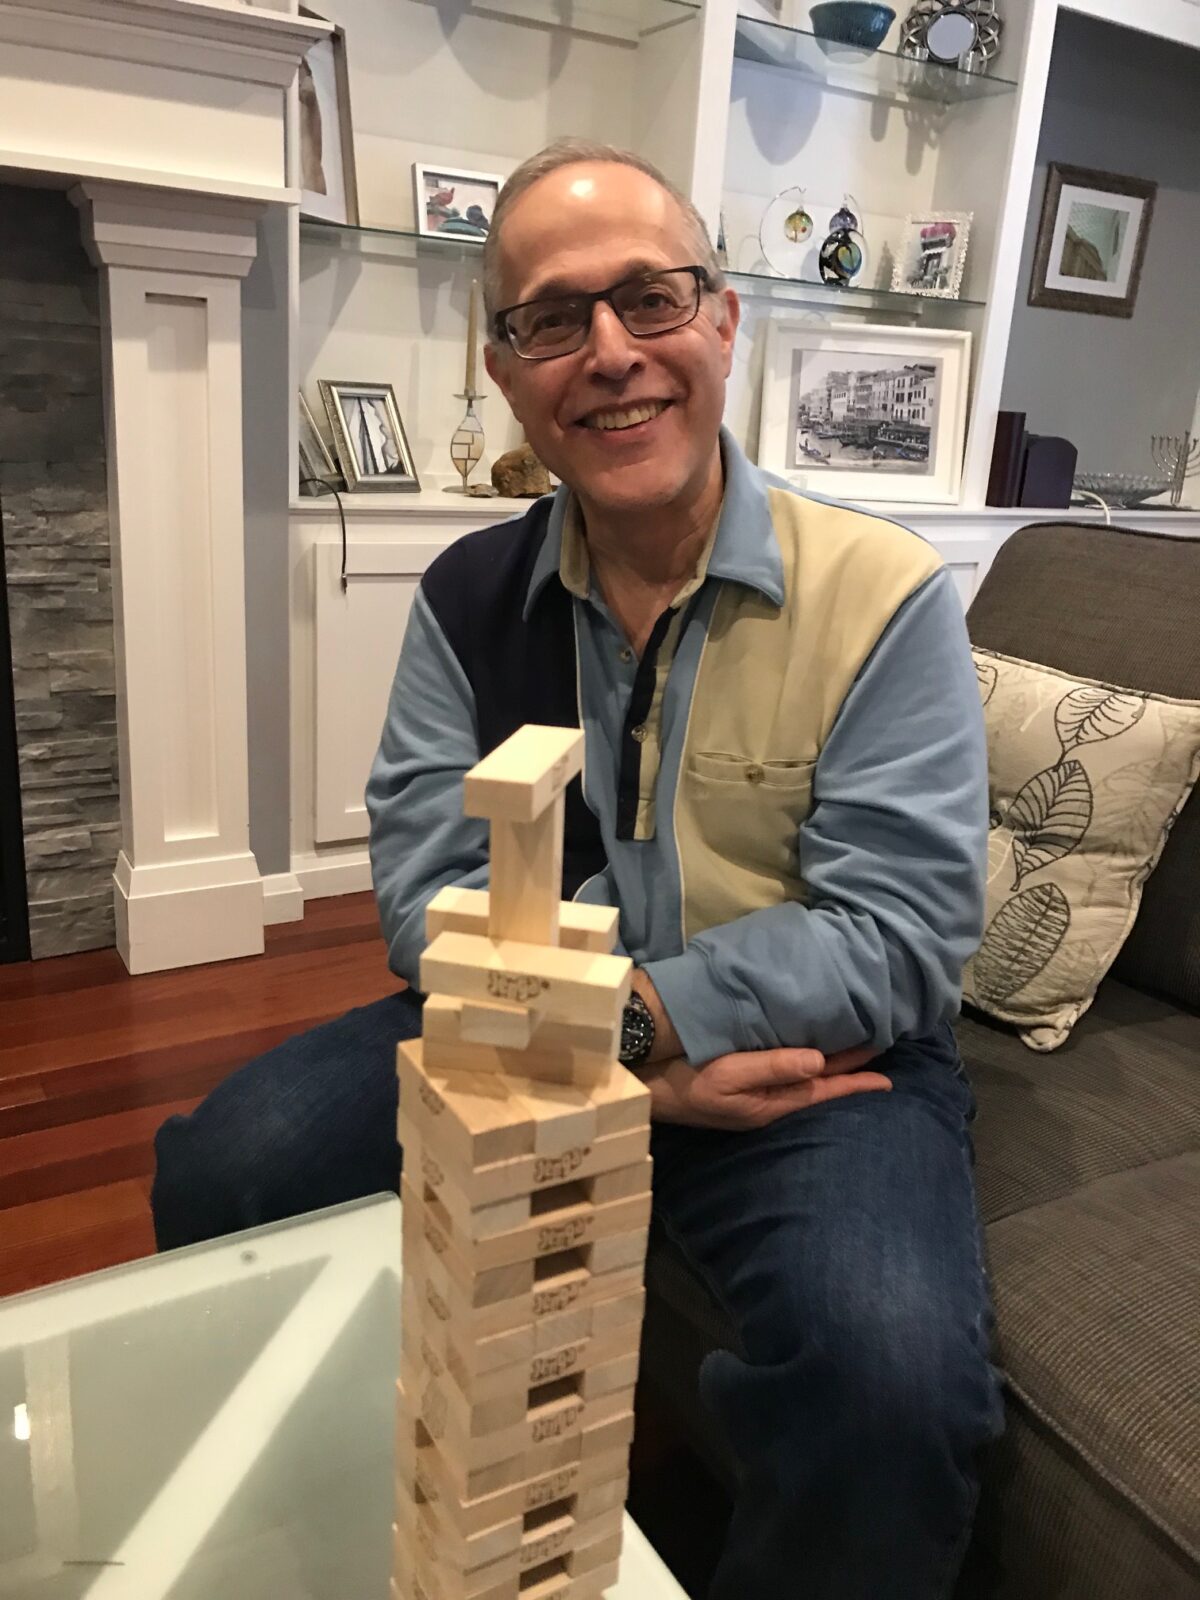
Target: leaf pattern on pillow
(988, 674)
(1049, 817)
(1089, 714)
(1020, 941)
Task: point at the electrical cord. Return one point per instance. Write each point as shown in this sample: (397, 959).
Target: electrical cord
(330, 488)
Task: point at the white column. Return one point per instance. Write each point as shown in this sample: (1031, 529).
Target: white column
(187, 888)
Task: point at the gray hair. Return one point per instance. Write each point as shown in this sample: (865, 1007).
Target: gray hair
(569, 153)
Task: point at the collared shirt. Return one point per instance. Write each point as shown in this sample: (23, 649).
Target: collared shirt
(790, 787)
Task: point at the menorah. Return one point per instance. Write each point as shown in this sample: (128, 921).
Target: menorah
(1177, 457)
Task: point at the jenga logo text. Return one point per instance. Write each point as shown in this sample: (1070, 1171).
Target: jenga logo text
(552, 1489)
(518, 986)
(436, 1304)
(430, 1098)
(548, 1300)
(431, 1358)
(563, 1235)
(532, 1555)
(432, 1172)
(434, 1238)
(555, 1426)
(555, 1365)
(555, 1169)
(433, 1411)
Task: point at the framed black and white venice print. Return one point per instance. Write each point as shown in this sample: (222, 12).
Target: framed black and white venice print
(865, 412)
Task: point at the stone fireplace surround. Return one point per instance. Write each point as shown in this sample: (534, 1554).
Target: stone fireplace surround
(165, 121)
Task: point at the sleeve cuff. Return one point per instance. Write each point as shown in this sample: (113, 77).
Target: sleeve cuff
(702, 1014)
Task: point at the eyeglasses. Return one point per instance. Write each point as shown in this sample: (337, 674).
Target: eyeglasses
(648, 304)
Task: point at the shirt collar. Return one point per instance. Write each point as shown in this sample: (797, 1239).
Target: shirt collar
(743, 547)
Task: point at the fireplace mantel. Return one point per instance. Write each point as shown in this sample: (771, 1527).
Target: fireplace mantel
(167, 120)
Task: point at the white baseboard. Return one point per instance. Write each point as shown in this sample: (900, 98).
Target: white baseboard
(348, 872)
(283, 898)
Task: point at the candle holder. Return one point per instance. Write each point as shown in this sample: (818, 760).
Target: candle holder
(466, 449)
(1178, 458)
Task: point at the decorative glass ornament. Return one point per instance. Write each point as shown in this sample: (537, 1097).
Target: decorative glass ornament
(843, 254)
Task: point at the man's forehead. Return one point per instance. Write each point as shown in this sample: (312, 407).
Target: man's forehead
(586, 222)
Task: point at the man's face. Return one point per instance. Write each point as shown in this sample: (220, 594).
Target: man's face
(586, 227)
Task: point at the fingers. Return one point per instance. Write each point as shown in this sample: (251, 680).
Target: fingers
(771, 1069)
(849, 1060)
(836, 1087)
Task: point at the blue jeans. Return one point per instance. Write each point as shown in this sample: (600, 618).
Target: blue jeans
(842, 1240)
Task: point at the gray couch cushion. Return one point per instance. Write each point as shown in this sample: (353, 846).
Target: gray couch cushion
(1123, 1090)
(1098, 1305)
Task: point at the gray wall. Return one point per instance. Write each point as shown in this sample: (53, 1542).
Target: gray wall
(265, 412)
(54, 498)
(1129, 103)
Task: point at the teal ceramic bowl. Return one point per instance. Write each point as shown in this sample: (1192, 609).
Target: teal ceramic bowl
(860, 24)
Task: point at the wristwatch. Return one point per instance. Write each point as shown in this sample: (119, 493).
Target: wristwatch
(637, 1033)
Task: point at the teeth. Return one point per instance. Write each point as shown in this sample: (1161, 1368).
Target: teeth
(625, 419)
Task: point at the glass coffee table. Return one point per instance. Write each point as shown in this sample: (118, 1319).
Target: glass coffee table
(217, 1423)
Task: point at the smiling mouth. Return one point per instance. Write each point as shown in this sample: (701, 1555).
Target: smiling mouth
(625, 416)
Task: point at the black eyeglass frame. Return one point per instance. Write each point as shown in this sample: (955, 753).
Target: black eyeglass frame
(704, 285)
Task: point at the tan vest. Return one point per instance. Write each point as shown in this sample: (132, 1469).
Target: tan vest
(769, 686)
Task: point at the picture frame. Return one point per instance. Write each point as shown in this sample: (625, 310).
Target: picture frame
(368, 435)
(328, 177)
(866, 412)
(316, 463)
(452, 204)
(931, 256)
(1091, 242)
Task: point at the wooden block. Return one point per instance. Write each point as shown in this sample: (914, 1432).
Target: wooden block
(556, 1051)
(580, 926)
(465, 1551)
(568, 1221)
(491, 1022)
(520, 777)
(621, 1250)
(609, 1377)
(527, 1491)
(425, 1314)
(525, 875)
(621, 1183)
(496, 1181)
(568, 985)
(477, 1120)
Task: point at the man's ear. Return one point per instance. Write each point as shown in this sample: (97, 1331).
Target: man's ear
(499, 370)
(729, 326)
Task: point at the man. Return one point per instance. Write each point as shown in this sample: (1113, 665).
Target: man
(785, 794)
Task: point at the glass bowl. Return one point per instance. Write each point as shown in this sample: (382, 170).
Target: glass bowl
(1125, 489)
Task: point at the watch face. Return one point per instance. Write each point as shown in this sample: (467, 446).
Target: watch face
(637, 1033)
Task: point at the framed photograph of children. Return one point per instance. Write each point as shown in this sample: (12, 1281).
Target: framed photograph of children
(452, 204)
(316, 464)
(932, 254)
(369, 437)
(865, 412)
(328, 182)
(1091, 241)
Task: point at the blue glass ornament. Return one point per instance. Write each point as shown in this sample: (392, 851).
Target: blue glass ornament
(841, 255)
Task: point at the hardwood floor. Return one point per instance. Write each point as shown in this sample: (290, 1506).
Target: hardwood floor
(92, 1061)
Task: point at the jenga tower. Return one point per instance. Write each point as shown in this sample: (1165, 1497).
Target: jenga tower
(526, 1201)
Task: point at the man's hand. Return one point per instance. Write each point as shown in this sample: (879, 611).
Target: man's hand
(753, 1087)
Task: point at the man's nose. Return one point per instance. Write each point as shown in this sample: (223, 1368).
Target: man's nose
(611, 348)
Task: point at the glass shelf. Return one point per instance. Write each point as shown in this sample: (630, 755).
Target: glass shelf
(770, 286)
(402, 244)
(882, 73)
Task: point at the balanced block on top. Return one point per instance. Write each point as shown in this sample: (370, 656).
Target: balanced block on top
(580, 926)
(520, 778)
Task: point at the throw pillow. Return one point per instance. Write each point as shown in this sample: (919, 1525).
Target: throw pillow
(1085, 780)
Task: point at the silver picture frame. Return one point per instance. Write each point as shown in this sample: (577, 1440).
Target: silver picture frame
(368, 435)
(931, 256)
(317, 466)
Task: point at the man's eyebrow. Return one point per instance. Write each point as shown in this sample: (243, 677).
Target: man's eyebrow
(541, 290)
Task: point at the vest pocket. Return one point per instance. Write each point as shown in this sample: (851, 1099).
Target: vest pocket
(748, 812)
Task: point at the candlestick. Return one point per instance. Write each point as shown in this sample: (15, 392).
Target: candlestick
(472, 338)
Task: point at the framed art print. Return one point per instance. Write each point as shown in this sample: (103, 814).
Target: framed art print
(1091, 241)
(933, 254)
(864, 412)
(369, 437)
(453, 204)
(328, 182)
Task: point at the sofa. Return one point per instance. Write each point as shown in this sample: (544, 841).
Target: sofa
(1088, 1163)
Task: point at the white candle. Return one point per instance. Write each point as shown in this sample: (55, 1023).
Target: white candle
(472, 338)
